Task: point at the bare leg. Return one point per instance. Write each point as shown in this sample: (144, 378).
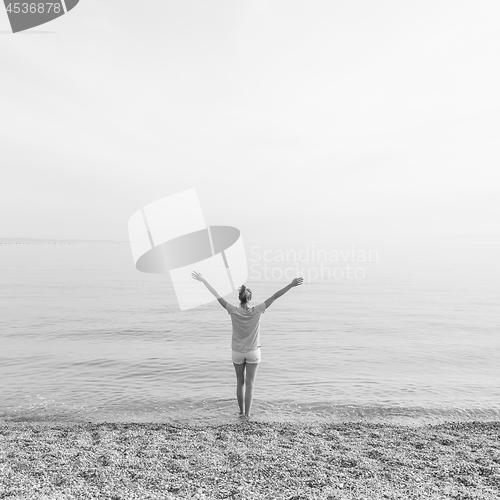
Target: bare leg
(250, 378)
(240, 384)
(240, 394)
(248, 399)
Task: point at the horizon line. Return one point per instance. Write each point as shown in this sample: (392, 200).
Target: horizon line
(58, 239)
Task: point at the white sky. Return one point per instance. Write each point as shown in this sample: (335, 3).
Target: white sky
(295, 121)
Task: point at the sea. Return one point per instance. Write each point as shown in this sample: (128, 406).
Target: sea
(403, 333)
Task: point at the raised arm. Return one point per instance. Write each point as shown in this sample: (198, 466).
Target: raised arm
(279, 293)
(199, 277)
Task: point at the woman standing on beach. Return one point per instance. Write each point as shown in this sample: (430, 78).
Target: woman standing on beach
(246, 336)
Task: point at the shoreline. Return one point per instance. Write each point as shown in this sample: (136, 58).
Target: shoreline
(250, 459)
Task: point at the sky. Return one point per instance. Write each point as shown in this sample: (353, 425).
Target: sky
(315, 121)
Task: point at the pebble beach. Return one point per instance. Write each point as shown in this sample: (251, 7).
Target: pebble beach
(249, 460)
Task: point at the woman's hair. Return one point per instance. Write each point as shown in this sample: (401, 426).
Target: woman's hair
(245, 294)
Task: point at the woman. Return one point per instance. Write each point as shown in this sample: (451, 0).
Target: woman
(246, 336)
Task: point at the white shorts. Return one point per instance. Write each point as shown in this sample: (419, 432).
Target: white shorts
(251, 357)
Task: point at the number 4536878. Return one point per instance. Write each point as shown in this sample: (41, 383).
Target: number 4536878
(34, 8)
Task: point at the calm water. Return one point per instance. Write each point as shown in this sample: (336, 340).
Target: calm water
(85, 336)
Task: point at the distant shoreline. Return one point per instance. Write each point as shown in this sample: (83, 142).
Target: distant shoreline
(263, 243)
(31, 241)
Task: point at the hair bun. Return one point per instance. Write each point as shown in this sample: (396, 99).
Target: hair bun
(244, 294)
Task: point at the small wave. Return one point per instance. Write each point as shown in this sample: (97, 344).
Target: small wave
(213, 410)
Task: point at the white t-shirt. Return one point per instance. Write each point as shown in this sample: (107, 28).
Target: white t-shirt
(246, 326)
